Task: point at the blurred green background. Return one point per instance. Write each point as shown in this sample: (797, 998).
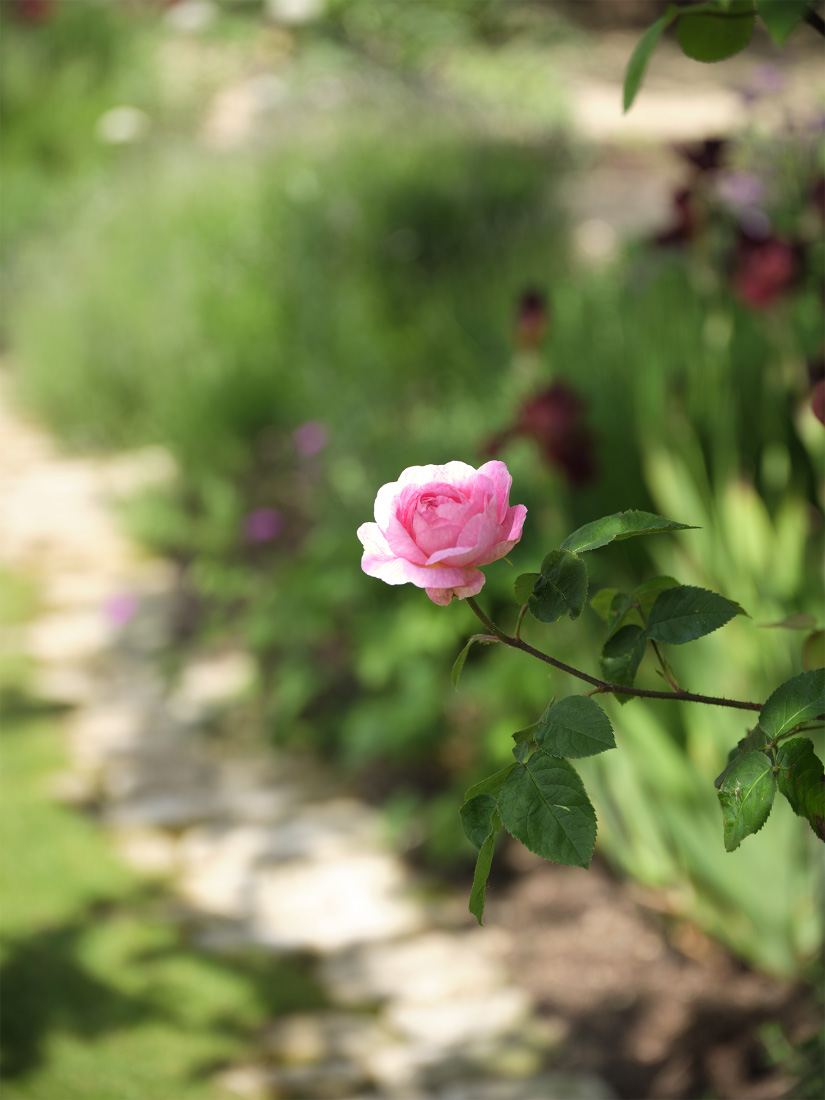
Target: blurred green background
(302, 290)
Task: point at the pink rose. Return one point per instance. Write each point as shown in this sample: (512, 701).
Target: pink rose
(436, 524)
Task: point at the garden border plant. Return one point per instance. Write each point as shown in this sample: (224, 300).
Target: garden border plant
(437, 525)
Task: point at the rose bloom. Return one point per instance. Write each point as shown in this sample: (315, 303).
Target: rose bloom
(436, 525)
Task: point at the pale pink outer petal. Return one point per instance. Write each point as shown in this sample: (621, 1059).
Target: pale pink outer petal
(443, 596)
(481, 529)
(379, 561)
(499, 475)
(515, 519)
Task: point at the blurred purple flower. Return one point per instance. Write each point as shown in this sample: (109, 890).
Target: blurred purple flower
(310, 438)
(767, 79)
(121, 608)
(262, 525)
(740, 189)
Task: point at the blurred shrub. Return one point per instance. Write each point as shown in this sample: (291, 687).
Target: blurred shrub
(359, 295)
(62, 65)
(658, 812)
(299, 327)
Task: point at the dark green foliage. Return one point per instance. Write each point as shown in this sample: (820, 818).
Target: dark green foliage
(621, 656)
(622, 525)
(746, 794)
(523, 586)
(482, 872)
(561, 589)
(781, 17)
(685, 613)
(462, 657)
(800, 778)
(718, 32)
(476, 818)
(575, 726)
(637, 66)
(794, 702)
(544, 805)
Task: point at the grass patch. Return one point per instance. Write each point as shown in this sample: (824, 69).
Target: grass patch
(102, 996)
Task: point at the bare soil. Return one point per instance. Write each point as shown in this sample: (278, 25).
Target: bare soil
(647, 1001)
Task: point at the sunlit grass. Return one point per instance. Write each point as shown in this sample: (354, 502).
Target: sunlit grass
(102, 995)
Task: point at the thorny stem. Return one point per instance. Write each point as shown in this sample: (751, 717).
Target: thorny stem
(602, 686)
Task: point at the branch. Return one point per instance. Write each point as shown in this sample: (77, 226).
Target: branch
(815, 20)
(603, 686)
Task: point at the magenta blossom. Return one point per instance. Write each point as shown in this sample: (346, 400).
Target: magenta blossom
(310, 438)
(262, 525)
(436, 525)
(121, 608)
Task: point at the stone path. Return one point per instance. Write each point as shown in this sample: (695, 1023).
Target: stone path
(422, 1005)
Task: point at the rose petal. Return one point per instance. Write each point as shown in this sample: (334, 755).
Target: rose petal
(499, 475)
(443, 596)
(437, 524)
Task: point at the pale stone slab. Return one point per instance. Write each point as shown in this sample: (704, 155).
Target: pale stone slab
(428, 968)
(455, 1022)
(327, 905)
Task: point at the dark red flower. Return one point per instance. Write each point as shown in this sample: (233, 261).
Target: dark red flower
(554, 418)
(765, 269)
(704, 156)
(33, 11)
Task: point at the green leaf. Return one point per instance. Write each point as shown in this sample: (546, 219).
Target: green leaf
(602, 602)
(813, 650)
(622, 613)
(528, 733)
(521, 750)
(544, 805)
(682, 614)
(482, 873)
(646, 593)
(716, 35)
(523, 586)
(794, 702)
(491, 785)
(746, 794)
(462, 657)
(781, 17)
(476, 818)
(575, 726)
(621, 656)
(752, 741)
(801, 778)
(561, 589)
(621, 525)
(636, 67)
